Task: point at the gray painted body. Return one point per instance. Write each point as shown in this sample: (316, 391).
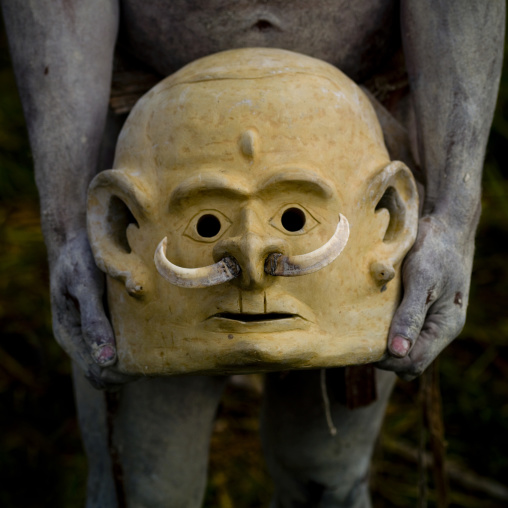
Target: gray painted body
(63, 56)
(357, 37)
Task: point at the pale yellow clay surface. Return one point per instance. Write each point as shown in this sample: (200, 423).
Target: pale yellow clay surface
(286, 221)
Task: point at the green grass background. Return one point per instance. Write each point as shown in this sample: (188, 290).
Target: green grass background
(41, 458)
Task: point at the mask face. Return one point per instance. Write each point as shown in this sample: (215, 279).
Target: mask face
(244, 164)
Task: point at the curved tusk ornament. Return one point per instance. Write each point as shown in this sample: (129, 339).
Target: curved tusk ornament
(290, 266)
(276, 263)
(223, 271)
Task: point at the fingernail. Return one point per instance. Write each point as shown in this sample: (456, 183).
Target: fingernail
(104, 354)
(399, 346)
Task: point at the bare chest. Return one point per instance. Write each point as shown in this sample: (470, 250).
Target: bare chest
(358, 37)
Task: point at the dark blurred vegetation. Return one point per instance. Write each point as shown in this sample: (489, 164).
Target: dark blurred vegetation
(41, 459)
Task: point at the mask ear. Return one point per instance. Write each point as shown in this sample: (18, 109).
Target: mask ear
(396, 201)
(116, 207)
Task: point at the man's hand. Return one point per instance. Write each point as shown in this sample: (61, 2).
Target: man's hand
(80, 323)
(453, 62)
(436, 276)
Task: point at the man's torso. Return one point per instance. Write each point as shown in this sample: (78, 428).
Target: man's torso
(357, 37)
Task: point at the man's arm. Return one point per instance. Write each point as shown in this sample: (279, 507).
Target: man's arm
(62, 53)
(453, 51)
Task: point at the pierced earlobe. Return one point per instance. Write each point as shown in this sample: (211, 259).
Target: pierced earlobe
(382, 272)
(134, 288)
(136, 278)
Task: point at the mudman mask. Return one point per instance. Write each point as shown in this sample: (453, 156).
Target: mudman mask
(253, 220)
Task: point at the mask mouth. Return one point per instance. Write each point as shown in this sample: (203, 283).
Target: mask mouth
(254, 318)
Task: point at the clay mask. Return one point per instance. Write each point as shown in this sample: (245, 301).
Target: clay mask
(253, 220)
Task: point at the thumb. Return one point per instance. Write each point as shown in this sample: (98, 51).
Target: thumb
(408, 320)
(97, 331)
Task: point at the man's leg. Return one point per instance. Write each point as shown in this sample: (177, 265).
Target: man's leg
(309, 466)
(151, 450)
(92, 417)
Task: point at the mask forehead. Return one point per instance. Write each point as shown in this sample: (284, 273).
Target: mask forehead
(305, 120)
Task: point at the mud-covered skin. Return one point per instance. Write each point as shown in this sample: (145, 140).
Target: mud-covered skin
(65, 108)
(357, 37)
(78, 316)
(312, 468)
(443, 303)
(62, 52)
(453, 61)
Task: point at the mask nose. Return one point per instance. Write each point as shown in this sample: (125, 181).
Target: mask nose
(250, 247)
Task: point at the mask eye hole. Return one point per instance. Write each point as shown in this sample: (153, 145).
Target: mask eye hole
(293, 219)
(208, 226)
